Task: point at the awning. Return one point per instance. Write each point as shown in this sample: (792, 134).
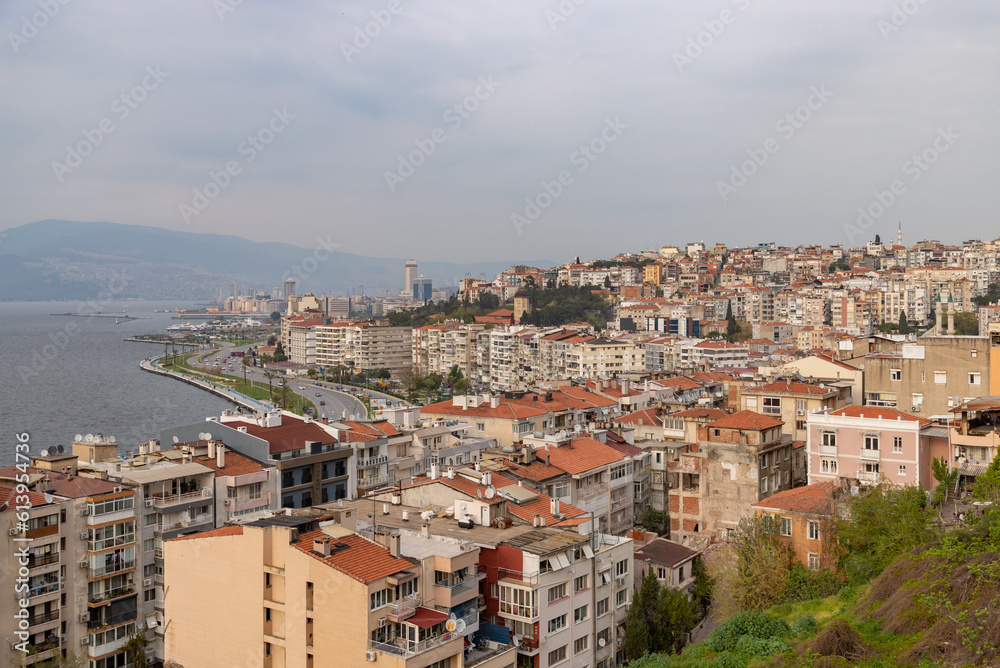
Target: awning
(151, 622)
(972, 469)
(426, 618)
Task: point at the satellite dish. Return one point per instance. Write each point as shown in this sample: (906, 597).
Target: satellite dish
(44, 453)
(111, 438)
(89, 438)
(490, 492)
(79, 438)
(201, 436)
(208, 436)
(460, 626)
(60, 449)
(450, 625)
(340, 502)
(601, 642)
(175, 439)
(48, 498)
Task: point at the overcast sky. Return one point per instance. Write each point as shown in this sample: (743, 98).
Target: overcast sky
(668, 98)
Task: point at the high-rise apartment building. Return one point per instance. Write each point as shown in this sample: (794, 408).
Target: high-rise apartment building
(409, 276)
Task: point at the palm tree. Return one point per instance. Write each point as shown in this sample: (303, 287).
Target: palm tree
(270, 375)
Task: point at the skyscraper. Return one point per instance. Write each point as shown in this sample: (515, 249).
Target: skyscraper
(289, 287)
(409, 276)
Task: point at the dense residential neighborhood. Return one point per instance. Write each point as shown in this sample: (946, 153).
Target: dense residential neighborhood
(519, 490)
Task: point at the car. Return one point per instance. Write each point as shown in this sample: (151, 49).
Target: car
(318, 394)
(301, 388)
(322, 403)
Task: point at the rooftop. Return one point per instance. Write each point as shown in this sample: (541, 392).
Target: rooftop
(815, 499)
(666, 552)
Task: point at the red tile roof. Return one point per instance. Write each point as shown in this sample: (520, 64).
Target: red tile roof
(361, 559)
(747, 420)
(291, 434)
(648, 416)
(709, 413)
(815, 499)
(580, 455)
(76, 487)
(680, 382)
(506, 410)
(235, 464)
(7, 494)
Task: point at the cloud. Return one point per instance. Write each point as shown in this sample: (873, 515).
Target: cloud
(559, 81)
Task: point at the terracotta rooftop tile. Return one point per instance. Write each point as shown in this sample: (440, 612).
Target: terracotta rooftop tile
(747, 420)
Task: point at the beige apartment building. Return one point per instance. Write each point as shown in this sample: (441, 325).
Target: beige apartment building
(364, 346)
(792, 402)
(299, 593)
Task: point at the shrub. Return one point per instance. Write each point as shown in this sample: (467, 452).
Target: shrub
(728, 660)
(804, 625)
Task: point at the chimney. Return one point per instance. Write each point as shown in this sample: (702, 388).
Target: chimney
(451, 473)
(393, 540)
(536, 521)
(220, 456)
(495, 402)
(322, 546)
(435, 472)
(547, 460)
(211, 449)
(554, 507)
(487, 478)
(425, 530)
(326, 420)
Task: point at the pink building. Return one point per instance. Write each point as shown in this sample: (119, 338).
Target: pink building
(863, 444)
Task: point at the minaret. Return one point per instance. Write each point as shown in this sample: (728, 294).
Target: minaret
(899, 235)
(938, 315)
(951, 314)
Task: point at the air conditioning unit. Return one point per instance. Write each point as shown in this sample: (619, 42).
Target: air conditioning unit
(84, 564)
(84, 535)
(229, 502)
(149, 503)
(85, 640)
(85, 511)
(13, 532)
(670, 485)
(670, 451)
(147, 582)
(84, 617)
(370, 655)
(915, 409)
(62, 638)
(382, 622)
(800, 412)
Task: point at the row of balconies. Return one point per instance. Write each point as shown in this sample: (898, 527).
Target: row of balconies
(372, 461)
(166, 501)
(406, 648)
(108, 569)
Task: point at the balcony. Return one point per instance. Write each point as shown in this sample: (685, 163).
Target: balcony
(590, 491)
(372, 481)
(406, 648)
(123, 618)
(110, 595)
(402, 609)
(52, 616)
(372, 461)
(868, 478)
(109, 569)
(43, 589)
(621, 502)
(177, 499)
(118, 541)
(828, 450)
(173, 526)
(518, 577)
(871, 455)
(38, 562)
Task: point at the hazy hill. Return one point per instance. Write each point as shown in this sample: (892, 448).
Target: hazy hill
(58, 259)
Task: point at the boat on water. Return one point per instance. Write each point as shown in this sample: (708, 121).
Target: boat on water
(186, 327)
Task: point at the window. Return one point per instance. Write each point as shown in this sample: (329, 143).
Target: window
(828, 465)
(405, 589)
(897, 444)
(813, 530)
(519, 602)
(974, 378)
(813, 561)
(975, 353)
(618, 472)
(902, 469)
(871, 442)
(581, 613)
(763, 460)
(560, 489)
(800, 405)
(256, 490)
(621, 598)
(230, 492)
(940, 377)
(557, 655)
(800, 425)
(895, 374)
(557, 624)
(494, 590)
(480, 426)
(786, 526)
(147, 545)
(379, 598)
(763, 484)
(526, 629)
(659, 457)
(580, 645)
(771, 405)
(829, 439)
(557, 592)
(580, 583)
(602, 607)
(869, 467)
(621, 568)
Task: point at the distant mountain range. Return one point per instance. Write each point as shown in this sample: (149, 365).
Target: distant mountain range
(59, 259)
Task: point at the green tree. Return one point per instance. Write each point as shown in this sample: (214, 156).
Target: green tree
(762, 563)
(135, 648)
(904, 325)
(311, 373)
(966, 324)
(275, 316)
(455, 378)
(279, 353)
(607, 282)
(655, 521)
(704, 586)
(732, 327)
(882, 524)
(987, 486)
(677, 616)
(946, 479)
(888, 327)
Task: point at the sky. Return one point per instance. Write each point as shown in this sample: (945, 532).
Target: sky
(507, 130)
